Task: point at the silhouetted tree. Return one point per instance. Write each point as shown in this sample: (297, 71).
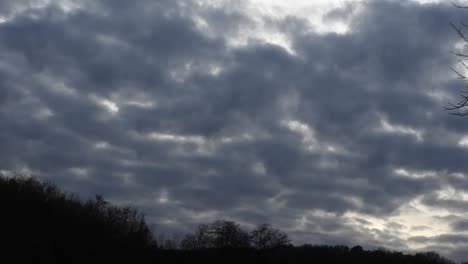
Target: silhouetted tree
(266, 237)
(189, 242)
(432, 256)
(460, 107)
(228, 234)
(170, 244)
(201, 238)
(219, 234)
(165, 242)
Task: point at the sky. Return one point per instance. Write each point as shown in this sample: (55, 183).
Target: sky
(323, 118)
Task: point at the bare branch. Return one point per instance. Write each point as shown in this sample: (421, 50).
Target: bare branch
(460, 108)
(464, 24)
(459, 32)
(459, 6)
(459, 113)
(464, 65)
(459, 54)
(460, 76)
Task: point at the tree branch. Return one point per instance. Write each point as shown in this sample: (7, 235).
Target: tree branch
(459, 6)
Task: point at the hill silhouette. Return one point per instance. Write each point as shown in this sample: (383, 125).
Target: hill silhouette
(40, 223)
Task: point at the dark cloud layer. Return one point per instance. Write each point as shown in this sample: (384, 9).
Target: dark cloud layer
(150, 103)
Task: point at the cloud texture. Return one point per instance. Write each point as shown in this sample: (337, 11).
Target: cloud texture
(198, 110)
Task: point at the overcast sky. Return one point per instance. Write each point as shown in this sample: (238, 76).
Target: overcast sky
(324, 118)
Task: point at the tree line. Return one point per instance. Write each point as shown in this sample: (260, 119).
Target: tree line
(228, 234)
(38, 223)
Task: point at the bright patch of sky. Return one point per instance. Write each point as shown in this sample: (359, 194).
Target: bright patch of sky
(313, 11)
(65, 5)
(262, 11)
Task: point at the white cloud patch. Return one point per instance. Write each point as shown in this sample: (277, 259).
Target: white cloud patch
(414, 174)
(388, 127)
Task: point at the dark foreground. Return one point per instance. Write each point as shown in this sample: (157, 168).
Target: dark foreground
(41, 224)
(298, 255)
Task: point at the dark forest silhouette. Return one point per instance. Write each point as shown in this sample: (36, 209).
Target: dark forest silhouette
(39, 223)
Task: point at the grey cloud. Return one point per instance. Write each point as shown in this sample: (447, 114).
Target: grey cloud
(441, 239)
(420, 228)
(454, 204)
(460, 225)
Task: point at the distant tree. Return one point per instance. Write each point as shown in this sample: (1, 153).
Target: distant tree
(170, 244)
(189, 242)
(266, 237)
(356, 250)
(201, 238)
(204, 236)
(433, 257)
(219, 234)
(165, 242)
(228, 234)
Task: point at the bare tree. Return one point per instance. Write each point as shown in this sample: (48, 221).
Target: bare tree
(460, 108)
(201, 238)
(266, 237)
(219, 234)
(228, 234)
(170, 243)
(189, 242)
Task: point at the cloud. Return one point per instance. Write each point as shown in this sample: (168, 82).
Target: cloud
(194, 111)
(460, 225)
